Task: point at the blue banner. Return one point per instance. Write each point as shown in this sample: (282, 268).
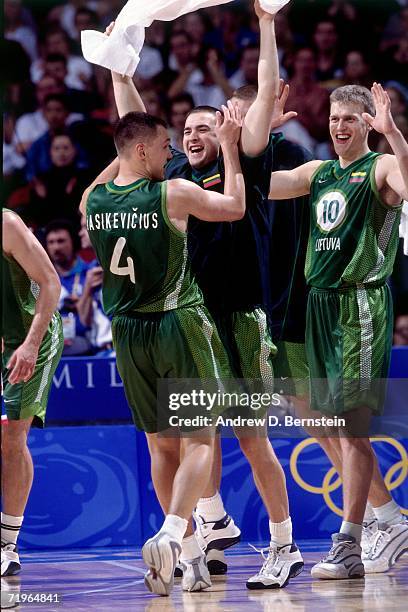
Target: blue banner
(92, 487)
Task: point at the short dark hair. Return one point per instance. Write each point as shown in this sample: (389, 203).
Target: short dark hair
(354, 94)
(61, 98)
(135, 126)
(246, 92)
(63, 224)
(56, 57)
(204, 108)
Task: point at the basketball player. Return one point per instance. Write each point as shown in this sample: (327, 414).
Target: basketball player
(355, 210)
(32, 346)
(160, 326)
(222, 255)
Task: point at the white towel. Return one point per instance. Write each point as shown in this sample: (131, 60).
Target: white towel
(120, 51)
(403, 228)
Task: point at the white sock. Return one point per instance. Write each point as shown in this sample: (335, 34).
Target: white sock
(369, 514)
(175, 526)
(10, 528)
(190, 548)
(281, 533)
(389, 513)
(352, 529)
(211, 508)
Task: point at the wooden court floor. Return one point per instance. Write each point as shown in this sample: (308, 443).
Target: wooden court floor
(105, 580)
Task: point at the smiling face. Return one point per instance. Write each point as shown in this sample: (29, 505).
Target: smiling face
(348, 129)
(200, 142)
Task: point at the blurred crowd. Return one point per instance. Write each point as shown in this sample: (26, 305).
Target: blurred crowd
(60, 111)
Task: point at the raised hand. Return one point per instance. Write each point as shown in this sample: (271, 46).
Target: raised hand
(279, 117)
(228, 125)
(383, 123)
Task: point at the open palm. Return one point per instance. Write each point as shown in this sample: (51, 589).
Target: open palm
(383, 121)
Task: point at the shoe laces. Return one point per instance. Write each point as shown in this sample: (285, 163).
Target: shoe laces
(269, 556)
(335, 551)
(378, 540)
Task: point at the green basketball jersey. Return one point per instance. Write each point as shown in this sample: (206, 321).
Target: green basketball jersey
(144, 257)
(353, 234)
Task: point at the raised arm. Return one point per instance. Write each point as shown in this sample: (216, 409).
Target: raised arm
(21, 244)
(257, 123)
(185, 198)
(391, 173)
(127, 98)
(292, 183)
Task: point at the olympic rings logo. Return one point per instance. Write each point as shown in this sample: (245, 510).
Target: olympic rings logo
(332, 481)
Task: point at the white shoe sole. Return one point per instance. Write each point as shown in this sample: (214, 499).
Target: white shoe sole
(328, 574)
(157, 560)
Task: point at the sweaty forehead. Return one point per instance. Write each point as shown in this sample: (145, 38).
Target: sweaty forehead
(202, 118)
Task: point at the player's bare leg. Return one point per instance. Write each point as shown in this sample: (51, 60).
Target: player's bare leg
(16, 479)
(161, 553)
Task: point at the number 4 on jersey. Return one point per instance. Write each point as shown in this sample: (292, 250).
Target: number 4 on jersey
(128, 270)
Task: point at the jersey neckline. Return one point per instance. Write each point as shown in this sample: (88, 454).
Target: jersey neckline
(113, 188)
(339, 172)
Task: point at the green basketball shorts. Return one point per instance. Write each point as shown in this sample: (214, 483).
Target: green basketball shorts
(29, 399)
(178, 344)
(348, 347)
(291, 369)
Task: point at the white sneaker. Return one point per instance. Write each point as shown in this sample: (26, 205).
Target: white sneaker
(281, 564)
(387, 546)
(10, 561)
(216, 562)
(370, 529)
(219, 534)
(161, 554)
(196, 576)
(343, 560)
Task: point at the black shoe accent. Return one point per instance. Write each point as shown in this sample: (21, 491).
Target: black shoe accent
(13, 569)
(296, 569)
(217, 568)
(223, 543)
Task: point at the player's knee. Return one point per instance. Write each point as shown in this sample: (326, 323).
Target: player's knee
(256, 448)
(13, 440)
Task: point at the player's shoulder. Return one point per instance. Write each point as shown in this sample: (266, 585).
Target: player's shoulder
(11, 220)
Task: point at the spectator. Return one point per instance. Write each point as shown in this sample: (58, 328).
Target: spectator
(31, 126)
(394, 62)
(356, 70)
(247, 74)
(231, 36)
(307, 98)
(325, 39)
(399, 98)
(55, 65)
(56, 193)
(180, 106)
(16, 30)
(181, 64)
(395, 29)
(90, 306)
(56, 114)
(79, 71)
(62, 245)
(66, 14)
(205, 82)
